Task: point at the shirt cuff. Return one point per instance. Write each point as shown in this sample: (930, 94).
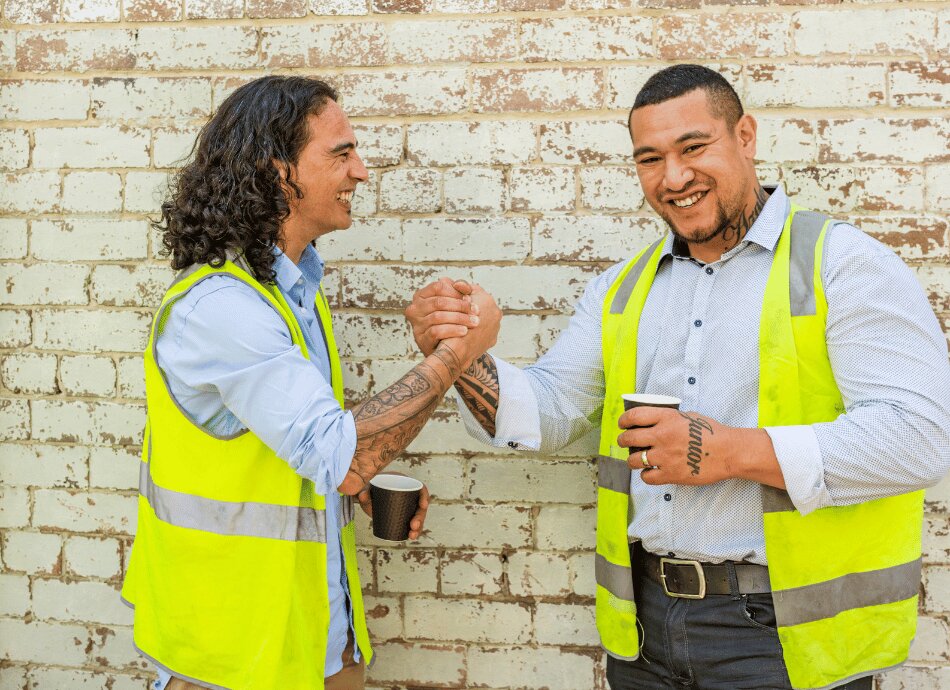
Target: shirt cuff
(339, 454)
(517, 423)
(799, 458)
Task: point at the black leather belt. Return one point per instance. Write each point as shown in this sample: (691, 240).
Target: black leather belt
(687, 579)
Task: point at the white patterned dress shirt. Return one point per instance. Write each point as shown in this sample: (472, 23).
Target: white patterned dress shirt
(698, 340)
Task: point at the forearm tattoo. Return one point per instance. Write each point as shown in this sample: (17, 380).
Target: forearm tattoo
(387, 422)
(733, 235)
(479, 389)
(694, 450)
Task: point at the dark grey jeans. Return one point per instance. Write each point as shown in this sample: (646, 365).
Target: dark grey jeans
(721, 642)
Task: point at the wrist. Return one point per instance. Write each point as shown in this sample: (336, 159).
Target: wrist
(452, 359)
(741, 448)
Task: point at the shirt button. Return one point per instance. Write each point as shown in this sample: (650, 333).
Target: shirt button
(691, 380)
(667, 497)
(698, 323)
(512, 444)
(709, 271)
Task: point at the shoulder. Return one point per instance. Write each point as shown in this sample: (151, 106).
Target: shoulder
(855, 263)
(222, 308)
(847, 245)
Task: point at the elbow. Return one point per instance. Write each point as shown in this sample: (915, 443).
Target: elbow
(940, 468)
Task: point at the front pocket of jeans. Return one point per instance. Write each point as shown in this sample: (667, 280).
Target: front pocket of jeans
(759, 614)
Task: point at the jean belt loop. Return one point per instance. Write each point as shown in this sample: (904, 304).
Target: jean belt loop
(733, 581)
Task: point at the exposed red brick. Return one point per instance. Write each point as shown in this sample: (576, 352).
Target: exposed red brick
(911, 237)
(152, 10)
(402, 6)
(324, 45)
(277, 8)
(75, 50)
(214, 9)
(31, 11)
(670, 4)
(689, 36)
(529, 5)
(542, 90)
(920, 83)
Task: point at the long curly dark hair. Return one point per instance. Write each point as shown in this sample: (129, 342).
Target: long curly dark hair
(230, 196)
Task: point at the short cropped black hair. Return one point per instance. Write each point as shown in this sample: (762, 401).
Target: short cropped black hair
(673, 82)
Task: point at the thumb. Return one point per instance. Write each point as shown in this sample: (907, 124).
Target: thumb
(365, 503)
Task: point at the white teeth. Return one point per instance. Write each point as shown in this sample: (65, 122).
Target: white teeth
(688, 201)
(344, 197)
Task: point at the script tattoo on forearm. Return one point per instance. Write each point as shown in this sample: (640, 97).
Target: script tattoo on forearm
(387, 422)
(694, 450)
(733, 235)
(479, 389)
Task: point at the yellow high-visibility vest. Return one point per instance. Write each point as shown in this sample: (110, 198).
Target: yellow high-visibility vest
(844, 579)
(228, 572)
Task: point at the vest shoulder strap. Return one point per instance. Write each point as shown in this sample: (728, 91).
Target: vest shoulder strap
(629, 281)
(804, 265)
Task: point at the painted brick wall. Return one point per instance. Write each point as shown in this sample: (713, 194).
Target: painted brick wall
(494, 131)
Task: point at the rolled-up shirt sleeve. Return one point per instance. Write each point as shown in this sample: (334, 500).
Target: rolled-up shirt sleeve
(517, 423)
(218, 364)
(889, 360)
(553, 402)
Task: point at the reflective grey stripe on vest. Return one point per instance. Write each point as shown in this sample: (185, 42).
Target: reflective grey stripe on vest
(613, 474)
(806, 227)
(347, 510)
(264, 520)
(852, 591)
(616, 579)
(805, 230)
(630, 280)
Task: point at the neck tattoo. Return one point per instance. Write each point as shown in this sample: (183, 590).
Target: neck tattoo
(734, 233)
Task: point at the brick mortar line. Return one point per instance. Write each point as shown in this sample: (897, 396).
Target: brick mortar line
(616, 115)
(486, 17)
(827, 59)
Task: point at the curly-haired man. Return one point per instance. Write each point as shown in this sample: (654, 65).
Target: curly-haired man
(243, 571)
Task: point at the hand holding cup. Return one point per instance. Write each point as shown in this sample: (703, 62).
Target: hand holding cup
(397, 504)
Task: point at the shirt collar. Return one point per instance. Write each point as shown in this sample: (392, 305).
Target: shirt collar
(764, 232)
(287, 273)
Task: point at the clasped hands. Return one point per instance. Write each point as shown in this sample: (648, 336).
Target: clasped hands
(459, 314)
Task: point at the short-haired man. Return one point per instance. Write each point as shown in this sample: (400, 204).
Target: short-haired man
(774, 522)
(243, 570)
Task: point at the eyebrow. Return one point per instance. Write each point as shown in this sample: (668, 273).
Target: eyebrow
(695, 134)
(344, 146)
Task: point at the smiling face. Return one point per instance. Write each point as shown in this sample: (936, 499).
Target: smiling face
(696, 170)
(327, 172)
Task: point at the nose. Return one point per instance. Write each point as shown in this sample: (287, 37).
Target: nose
(677, 175)
(358, 170)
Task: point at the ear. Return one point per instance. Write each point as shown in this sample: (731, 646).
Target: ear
(287, 173)
(745, 131)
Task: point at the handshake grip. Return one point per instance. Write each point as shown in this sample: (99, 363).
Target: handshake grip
(459, 314)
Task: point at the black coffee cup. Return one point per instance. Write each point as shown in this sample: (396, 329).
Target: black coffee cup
(395, 500)
(632, 400)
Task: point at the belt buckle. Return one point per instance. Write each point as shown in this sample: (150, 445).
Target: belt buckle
(682, 561)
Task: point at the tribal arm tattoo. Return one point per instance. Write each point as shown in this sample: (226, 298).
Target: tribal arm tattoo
(733, 235)
(387, 422)
(479, 389)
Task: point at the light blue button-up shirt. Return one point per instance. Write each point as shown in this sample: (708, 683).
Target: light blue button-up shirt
(231, 364)
(699, 341)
